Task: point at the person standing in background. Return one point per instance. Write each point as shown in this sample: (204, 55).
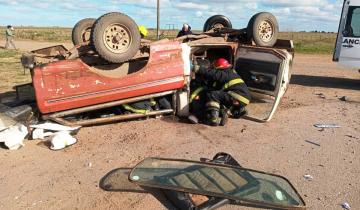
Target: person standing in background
(9, 37)
(186, 30)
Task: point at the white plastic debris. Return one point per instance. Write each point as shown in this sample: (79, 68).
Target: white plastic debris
(308, 177)
(62, 139)
(13, 137)
(327, 126)
(6, 122)
(40, 134)
(346, 206)
(54, 127)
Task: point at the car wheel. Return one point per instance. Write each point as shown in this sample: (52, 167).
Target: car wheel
(217, 21)
(263, 29)
(81, 32)
(116, 37)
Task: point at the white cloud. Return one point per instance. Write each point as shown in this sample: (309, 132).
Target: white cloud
(192, 5)
(199, 14)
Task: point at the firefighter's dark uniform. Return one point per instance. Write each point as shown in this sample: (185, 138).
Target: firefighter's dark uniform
(198, 99)
(146, 106)
(227, 88)
(142, 107)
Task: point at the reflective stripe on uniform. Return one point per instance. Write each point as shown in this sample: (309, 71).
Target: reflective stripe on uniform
(233, 82)
(213, 104)
(196, 93)
(239, 97)
(138, 111)
(152, 102)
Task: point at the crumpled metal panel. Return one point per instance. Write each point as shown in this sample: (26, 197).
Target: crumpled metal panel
(70, 84)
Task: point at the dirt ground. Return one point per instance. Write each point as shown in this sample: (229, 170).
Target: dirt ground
(35, 177)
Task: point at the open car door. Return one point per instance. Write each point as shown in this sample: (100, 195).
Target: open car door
(347, 49)
(266, 71)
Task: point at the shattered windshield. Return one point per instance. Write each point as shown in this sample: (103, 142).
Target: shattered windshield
(214, 180)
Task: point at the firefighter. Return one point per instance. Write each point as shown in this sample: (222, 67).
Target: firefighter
(141, 107)
(143, 31)
(146, 106)
(228, 92)
(198, 89)
(197, 101)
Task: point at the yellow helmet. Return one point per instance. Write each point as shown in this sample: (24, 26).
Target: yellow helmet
(143, 31)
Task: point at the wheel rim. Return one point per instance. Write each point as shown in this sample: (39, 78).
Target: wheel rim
(85, 35)
(266, 31)
(117, 38)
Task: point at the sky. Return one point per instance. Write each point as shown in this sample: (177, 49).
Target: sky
(293, 15)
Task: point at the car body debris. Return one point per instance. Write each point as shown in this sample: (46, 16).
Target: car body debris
(346, 206)
(40, 134)
(6, 122)
(321, 95)
(308, 177)
(13, 137)
(13, 133)
(344, 98)
(60, 135)
(61, 140)
(327, 126)
(54, 127)
(313, 143)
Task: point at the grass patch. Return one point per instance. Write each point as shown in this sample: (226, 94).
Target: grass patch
(11, 70)
(311, 43)
(50, 34)
(8, 53)
(305, 42)
(314, 48)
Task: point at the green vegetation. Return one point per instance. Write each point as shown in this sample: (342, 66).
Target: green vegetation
(8, 53)
(314, 48)
(51, 34)
(11, 70)
(305, 42)
(311, 43)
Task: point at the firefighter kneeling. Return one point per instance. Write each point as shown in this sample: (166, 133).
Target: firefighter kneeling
(227, 94)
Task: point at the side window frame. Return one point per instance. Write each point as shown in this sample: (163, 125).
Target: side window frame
(349, 31)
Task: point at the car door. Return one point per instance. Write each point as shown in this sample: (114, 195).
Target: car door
(347, 51)
(266, 71)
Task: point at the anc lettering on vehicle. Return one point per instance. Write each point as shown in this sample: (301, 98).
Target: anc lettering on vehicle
(351, 41)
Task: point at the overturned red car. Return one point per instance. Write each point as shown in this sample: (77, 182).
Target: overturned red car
(116, 67)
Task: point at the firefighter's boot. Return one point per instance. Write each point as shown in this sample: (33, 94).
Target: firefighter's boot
(213, 116)
(224, 117)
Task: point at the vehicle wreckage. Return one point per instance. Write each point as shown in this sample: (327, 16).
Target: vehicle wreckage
(111, 66)
(206, 184)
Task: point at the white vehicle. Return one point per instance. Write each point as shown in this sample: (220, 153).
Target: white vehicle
(347, 51)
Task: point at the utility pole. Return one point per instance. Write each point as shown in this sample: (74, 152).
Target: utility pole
(158, 20)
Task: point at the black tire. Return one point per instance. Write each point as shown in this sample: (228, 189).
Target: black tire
(81, 32)
(215, 20)
(269, 35)
(110, 27)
